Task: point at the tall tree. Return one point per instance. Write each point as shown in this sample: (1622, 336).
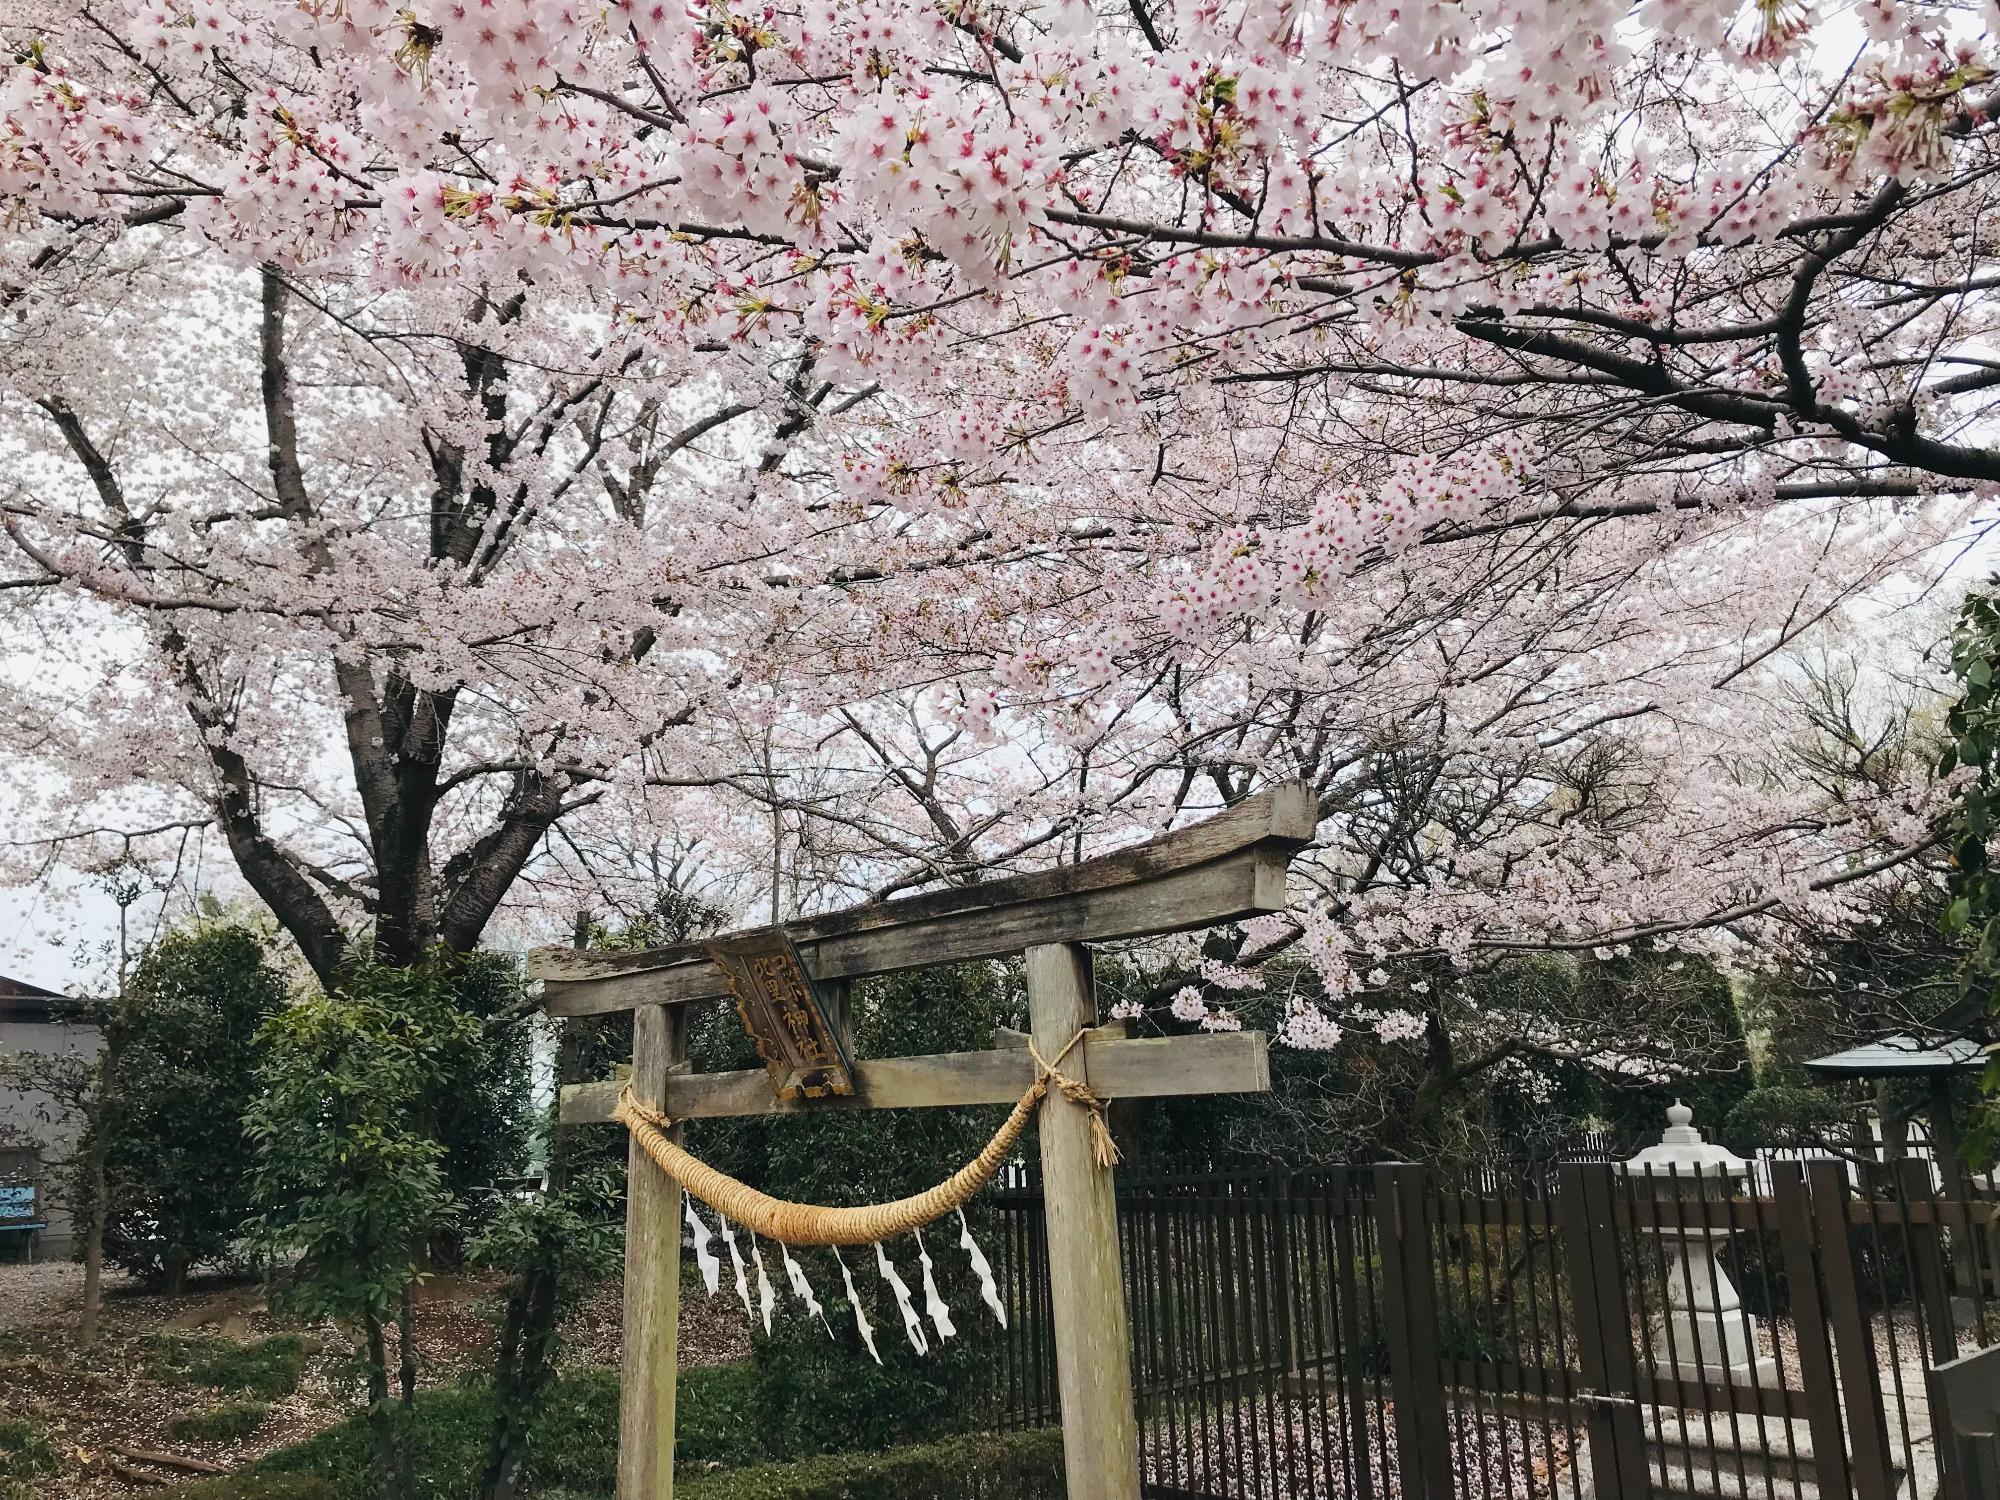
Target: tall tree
(746, 420)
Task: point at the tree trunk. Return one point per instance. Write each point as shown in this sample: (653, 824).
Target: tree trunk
(526, 1362)
(381, 1420)
(1434, 1090)
(103, 1124)
(406, 1337)
(93, 1236)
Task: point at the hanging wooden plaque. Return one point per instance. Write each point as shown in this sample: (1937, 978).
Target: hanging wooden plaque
(803, 1052)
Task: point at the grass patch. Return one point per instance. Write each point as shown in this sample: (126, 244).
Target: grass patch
(268, 1368)
(25, 1450)
(230, 1422)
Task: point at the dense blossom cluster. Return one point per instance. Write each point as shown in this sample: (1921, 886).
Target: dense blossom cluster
(937, 436)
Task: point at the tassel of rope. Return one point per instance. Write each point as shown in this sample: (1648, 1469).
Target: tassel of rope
(1102, 1145)
(811, 1224)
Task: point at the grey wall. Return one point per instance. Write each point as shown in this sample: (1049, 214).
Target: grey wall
(31, 1118)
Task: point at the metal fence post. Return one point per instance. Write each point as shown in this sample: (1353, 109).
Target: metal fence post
(1816, 1371)
(1410, 1321)
(1860, 1380)
(1353, 1383)
(1609, 1367)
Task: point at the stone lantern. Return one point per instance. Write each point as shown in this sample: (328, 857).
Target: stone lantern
(1703, 1333)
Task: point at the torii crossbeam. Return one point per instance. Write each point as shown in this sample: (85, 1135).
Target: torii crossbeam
(1230, 867)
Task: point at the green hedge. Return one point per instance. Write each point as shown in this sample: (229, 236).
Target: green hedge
(254, 1486)
(227, 1423)
(572, 1450)
(572, 1442)
(268, 1367)
(1019, 1466)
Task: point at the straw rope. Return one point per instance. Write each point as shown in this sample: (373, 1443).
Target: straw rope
(812, 1224)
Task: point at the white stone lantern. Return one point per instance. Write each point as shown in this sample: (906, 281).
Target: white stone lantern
(1704, 1333)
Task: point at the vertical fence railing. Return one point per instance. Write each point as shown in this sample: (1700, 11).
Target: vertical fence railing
(1388, 1333)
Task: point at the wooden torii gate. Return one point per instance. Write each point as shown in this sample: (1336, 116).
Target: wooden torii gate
(1230, 867)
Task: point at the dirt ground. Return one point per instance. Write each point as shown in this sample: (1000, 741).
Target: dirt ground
(109, 1411)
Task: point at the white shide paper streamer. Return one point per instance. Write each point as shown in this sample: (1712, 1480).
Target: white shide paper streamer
(767, 1295)
(854, 1301)
(912, 1324)
(801, 1288)
(711, 1268)
(981, 1269)
(742, 1271)
(933, 1303)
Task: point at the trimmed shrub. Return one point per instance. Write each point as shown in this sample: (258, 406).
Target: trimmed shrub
(572, 1442)
(1018, 1466)
(251, 1485)
(715, 1415)
(572, 1450)
(228, 1423)
(268, 1368)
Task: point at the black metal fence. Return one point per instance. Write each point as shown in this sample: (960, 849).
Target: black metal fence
(1383, 1332)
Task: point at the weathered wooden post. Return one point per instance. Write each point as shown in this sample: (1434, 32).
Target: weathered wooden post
(652, 1277)
(1086, 1282)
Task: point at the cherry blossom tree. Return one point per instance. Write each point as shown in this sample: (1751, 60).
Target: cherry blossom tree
(452, 448)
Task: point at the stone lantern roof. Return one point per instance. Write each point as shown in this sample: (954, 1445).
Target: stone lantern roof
(1683, 1153)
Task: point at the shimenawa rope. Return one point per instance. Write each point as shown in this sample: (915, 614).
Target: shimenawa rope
(812, 1224)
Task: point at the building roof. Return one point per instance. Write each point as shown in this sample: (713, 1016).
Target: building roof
(1901, 1056)
(22, 1001)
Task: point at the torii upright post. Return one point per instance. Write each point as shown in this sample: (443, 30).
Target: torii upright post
(1231, 867)
(1086, 1283)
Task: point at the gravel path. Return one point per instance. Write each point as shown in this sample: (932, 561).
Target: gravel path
(1259, 1449)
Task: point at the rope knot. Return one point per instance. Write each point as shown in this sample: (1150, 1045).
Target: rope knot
(1079, 1094)
(630, 1107)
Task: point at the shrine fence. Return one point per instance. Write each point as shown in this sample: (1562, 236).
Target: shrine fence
(1388, 1333)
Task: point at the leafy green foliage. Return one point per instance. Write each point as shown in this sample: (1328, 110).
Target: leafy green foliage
(26, 1452)
(1974, 912)
(1785, 1113)
(229, 1422)
(570, 1234)
(349, 1170)
(268, 1368)
(484, 1112)
(176, 1161)
(715, 1416)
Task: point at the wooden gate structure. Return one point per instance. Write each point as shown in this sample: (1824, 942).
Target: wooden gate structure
(1228, 868)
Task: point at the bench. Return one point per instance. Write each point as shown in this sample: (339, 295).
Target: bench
(21, 1212)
